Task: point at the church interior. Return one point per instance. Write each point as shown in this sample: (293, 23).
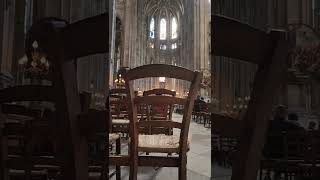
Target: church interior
(159, 89)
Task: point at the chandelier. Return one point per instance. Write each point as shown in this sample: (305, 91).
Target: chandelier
(120, 82)
(37, 66)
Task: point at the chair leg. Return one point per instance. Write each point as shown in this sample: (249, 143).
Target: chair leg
(133, 172)
(133, 165)
(118, 151)
(183, 168)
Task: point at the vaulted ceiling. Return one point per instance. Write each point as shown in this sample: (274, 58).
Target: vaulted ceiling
(164, 7)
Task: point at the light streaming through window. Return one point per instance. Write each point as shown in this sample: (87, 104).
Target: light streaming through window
(174, 29)
(174, 46)
(152, 28)
(163, 29)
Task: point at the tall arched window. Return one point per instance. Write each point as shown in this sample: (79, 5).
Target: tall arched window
(163, 29)
(174, 28)
(152, 28)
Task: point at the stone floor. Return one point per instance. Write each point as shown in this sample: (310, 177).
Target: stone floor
(199, 158)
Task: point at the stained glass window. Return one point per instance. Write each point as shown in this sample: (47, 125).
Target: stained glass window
(163, 29)
(152, 28)
(174, 29)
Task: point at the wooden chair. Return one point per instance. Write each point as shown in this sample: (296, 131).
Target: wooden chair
(162, 112)
(97, 141)
(160, 143)
(22, 130)
(72, 127)
(269, 51)
(118, 103)
(224, 139)
(283, 152)
(310, 167)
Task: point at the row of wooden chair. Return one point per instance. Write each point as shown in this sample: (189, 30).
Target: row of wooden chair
(291, 154)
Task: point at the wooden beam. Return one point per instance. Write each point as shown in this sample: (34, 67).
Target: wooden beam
(267, 81)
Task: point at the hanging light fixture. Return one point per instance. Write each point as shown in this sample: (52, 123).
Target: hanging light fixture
(120, 82)
(37, 66)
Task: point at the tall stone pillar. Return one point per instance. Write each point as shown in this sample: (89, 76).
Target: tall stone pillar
(8, 36)
(2, 9)
(19, 34)
(202, 16)
(128, 54)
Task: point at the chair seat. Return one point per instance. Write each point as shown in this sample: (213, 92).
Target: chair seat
(113, 136)
(120, 121)
(160, 143)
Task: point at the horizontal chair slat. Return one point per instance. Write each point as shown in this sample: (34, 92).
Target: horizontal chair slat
(162, 123)
(13, 129)
(119, 160)
(159, 161)
(158, 100)
(20, 110)
(158, 70)
(27, 93)
(118, 91)
(159, 91)
(21, 162)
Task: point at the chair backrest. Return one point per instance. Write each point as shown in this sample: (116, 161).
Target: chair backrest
(161, 92)
(56, 38)
(161, 70)
(163, 111)
(285, 144)
(269, 51)
(118, 102)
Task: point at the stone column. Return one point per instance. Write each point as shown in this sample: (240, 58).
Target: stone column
(128, 53)
(8, 36)
(2, 9)
(19, 34)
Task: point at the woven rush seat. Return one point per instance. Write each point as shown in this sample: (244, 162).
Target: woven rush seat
(160, 143)
(120, 121)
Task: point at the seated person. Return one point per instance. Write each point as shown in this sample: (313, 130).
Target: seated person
(197, 102)
(279, 122)
(274, 146)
